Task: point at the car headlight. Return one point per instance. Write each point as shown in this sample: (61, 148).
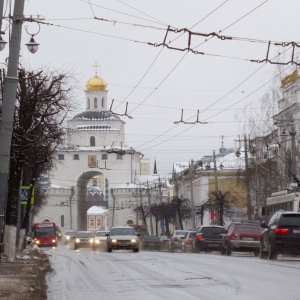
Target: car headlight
(77, 241)
(133, 241)
(91, 241)
(37, 241)
(113, 241)
(97, 241)
(53, 241)
(67, 237)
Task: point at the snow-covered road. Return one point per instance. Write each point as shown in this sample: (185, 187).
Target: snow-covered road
(84, 274)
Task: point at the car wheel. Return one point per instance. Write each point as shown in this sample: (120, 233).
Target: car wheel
(223, 250)
(136, 250)
(109, 249)
(272, 254)
(228, 250)
(256, 253)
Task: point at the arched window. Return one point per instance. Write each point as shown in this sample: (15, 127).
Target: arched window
(102, 102)
(88, 103)
(92, 141)
(76, 156)
(62, 221)
(95, 103)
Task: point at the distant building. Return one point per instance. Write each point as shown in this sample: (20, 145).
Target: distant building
(94, 160)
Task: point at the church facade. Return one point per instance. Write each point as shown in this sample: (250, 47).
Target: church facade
(94, 160)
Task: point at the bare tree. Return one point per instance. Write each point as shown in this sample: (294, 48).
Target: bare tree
(43, 101)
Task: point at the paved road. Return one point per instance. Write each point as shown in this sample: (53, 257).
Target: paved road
(84, 274)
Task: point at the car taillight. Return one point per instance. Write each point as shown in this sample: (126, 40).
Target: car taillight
(175, 238)
(199, 237)
(188, 242)
(281, 230)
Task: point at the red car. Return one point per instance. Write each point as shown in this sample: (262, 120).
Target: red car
(242, 237)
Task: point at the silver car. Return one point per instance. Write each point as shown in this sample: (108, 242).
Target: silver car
(100, 239)
(123, 237)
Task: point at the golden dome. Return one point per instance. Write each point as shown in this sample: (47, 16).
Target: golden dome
(96, 84)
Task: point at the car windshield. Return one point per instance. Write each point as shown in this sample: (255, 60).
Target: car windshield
(164, 238)
(101, 233)
(290, 220)
(70, 232)
(247, 228)
(212, 230)
(83, 234)
(122, 231)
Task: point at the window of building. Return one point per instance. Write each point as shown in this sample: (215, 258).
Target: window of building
(61, 157)
(102, 102)
(76, 156)
(104, 156)
(98, 222)
(119, 156)
(92, 222)
(88, 103)
(92, 141)
(62, 221)
(95, 103)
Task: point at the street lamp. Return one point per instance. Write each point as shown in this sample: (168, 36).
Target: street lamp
(32, 45)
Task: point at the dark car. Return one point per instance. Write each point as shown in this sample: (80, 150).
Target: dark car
(187, 241)
(164, 243)
(58, 233)
(150, 242)
(175, 241)
(281, 235)
(242, 237)
(209, 238)
(83, 239)
(123, 237)
(69, 236)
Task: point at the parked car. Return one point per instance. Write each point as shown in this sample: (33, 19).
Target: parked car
(281, 235)
(187, 242)
(100, 239)
(208, 238)
(164, 243)
(123, 237)
(175, 241)
(83, 239)
(69, 235)
(242, 237)
(150, 242)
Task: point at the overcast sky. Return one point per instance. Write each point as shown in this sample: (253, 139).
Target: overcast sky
(157, 82)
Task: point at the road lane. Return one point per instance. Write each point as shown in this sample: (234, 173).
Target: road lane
(86, 274)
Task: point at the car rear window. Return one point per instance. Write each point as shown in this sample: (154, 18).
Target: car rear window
(180, 232)
(247, 228)
(290, 220)
(212, 230)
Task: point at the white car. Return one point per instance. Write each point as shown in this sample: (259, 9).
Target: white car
(100, 239)
(123, 237)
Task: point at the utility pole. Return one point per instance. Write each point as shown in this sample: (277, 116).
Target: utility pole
(191, 171)
(70, 199)
(149, 203)
(247, 178)
(160, 200)
(8, 107)
(217, 190)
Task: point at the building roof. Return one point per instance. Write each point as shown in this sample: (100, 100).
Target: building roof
(96, 210)
(96, 116)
